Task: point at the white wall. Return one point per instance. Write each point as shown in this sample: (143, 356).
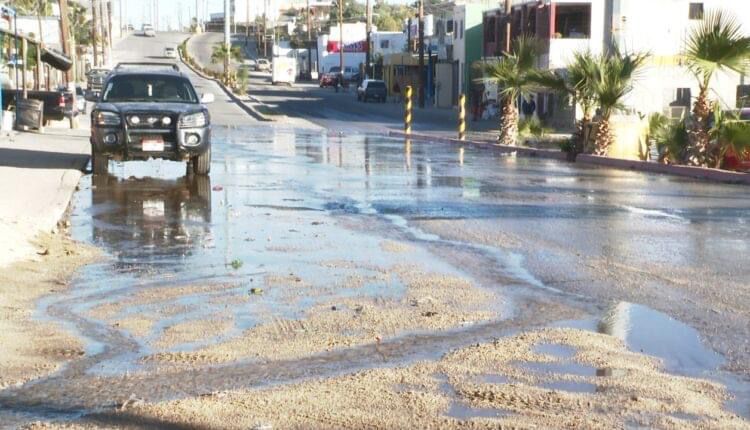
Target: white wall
(661, 29)
(354, 32)
(396, 42)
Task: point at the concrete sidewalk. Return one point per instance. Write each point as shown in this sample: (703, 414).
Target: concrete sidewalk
(38, 175)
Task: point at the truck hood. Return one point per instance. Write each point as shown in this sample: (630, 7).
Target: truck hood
(177, 108)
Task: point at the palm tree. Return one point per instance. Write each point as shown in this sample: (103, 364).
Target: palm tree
(514, 75)
(223, 55)
(715, 44)
(615, 75)
(576, 82)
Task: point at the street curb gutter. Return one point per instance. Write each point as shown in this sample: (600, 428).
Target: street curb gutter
(520, 150)
(248, 109)
(684, 171)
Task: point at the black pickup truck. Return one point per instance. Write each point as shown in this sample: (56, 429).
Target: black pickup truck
(58, 105)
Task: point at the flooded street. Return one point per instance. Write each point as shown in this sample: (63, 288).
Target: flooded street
(310, 254)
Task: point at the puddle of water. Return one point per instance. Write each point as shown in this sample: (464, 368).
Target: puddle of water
(493, 378)
(464, 412)
(558, 368)
(657, 334)
(556, 350)
(571, 386)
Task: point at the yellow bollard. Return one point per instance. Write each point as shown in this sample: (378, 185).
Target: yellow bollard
(407, 110)
(462, 117)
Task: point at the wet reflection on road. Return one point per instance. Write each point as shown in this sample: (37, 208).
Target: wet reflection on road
(308, 213)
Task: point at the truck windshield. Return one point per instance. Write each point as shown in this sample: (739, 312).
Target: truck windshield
(149, 88)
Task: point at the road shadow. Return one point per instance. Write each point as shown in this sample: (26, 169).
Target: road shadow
(24, 158)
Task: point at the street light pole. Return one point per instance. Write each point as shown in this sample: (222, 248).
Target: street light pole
(421, 54)
(341, 37)
(227, 40)
(368, 30)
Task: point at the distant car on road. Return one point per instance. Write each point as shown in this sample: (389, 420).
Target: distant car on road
(263, 65)
(148, 30)
(372, 89)
(150, 110)
(130, 27)
(170, 52)
(327, 80)
(250, 64)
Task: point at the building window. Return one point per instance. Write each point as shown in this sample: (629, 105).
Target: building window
(461, 28)
(696, 11)
(573, 21)
(682, 97)
(384, 44)
(449, 26)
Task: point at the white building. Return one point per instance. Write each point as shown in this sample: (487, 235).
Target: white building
(660, 28)
(354, 45)
(387, 42)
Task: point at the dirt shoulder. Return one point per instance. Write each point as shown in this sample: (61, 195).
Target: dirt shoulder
(550, 378)
(33, 348)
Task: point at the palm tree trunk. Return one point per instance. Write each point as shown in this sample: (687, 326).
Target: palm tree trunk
(508, 123)
(698, 133)
(604, 137)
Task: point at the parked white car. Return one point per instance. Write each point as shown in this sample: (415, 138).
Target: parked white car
(263, 65)
(170, 52)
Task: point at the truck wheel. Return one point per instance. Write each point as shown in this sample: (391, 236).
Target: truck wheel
(202, 163)
(99, 164)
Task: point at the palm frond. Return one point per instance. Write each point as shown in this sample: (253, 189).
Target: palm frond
(717, 43)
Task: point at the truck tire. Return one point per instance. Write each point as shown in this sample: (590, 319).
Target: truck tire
(202, 163)
(99, 163)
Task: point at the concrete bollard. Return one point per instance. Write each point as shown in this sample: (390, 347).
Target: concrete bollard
(407, 110)
(462, 117)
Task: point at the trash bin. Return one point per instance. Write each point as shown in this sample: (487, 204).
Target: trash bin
(29, 114)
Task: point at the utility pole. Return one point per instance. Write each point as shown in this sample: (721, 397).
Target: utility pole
(121, 21)
(197, 14)
(156, 13)
(421, 54)
(105, 36)
(368, 30)
(309, 39)
(109, 24)
(508, 19)
(265, 27)
(65, 38)
(94, 32)
(341, 37)
(227, 41)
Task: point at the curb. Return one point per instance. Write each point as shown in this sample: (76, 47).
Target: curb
(520, 150)
(248, 109)
(704, 173)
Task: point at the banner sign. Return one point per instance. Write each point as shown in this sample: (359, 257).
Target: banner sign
(334, 46)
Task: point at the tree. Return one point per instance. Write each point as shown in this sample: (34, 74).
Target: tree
(716, 44)
(223, 55)
(352, 11)
(576, 82)
(616, 73)
(514, 76)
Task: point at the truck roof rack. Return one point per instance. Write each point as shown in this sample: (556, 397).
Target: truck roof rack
(172, 66)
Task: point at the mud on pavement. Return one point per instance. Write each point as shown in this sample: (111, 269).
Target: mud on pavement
(34, 347)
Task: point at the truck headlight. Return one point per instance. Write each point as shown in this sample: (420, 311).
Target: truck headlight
(193, 120)
(104, 118)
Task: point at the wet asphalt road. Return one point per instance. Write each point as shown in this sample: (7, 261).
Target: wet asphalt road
(284, 200)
